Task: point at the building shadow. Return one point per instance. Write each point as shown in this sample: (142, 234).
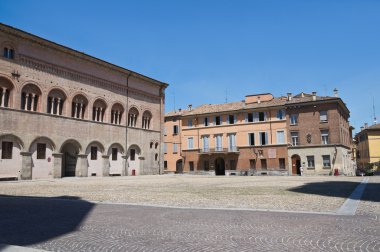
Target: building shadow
(341, 189)
(29, 220)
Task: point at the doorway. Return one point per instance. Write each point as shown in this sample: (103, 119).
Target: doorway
(220, 167)
(178, 166)
(296, 165)
(69, 159)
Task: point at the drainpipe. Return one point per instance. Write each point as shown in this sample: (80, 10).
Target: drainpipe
(126, 127)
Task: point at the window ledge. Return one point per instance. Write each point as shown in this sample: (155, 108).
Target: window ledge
(327, 167)
(310, 168)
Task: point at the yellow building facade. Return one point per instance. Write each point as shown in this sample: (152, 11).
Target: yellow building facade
(368, 146)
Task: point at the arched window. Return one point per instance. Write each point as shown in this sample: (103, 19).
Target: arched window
(55, 102)
(30, 97)
(117, 113)
(8, 52)
(79, 106)
(132, 117)
(99, 110)
(147, 116)
(5, 92)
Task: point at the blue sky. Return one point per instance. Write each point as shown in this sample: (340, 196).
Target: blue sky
(209, 50)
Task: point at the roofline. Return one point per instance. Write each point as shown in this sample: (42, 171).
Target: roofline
(86, 56)
(259, 94)
(334, 99)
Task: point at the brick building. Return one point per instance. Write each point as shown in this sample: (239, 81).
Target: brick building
(65, 113)
(261, 135)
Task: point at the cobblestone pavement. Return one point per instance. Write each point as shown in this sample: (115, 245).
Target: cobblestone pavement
(76, 225)
(318, 194)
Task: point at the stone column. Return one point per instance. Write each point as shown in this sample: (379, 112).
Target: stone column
(124, 171)
(80, 111)
(75, 110)
(58, 106)
(32, 104)
(52, 106)
(81, 170)
(26, 165)
(106, 165)
(117, 117)
(100, 114)
(3, 97)
(57, 165)
(26, 101)
(112, 116)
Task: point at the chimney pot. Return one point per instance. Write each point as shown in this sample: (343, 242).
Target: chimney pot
(190, 105)
(289, 96)
(258, 100)
(314, 96)
(336, 92)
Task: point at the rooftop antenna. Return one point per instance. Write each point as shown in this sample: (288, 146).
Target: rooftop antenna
(174, 101)
(374, 111)
(226, 96)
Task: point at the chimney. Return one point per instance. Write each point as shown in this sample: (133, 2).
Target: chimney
(314, 96)
(179, 110)
(190, 105)
(336, 92)
(289, 96)
(258, 100)
(361, 128)
(302, 94)
(366, 125)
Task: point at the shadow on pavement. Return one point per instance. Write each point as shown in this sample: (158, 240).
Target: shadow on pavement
(30, 220)
(341, 189)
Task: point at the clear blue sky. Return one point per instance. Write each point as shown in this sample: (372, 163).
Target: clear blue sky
(207, 49)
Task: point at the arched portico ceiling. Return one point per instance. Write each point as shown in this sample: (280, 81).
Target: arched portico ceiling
(118, 145)
(96, 143)
(43, 139)
(73, 142)
(13, 138)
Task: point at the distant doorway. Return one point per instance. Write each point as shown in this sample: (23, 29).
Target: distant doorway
(69, 160)
(178, 166)
(220, 169)
(296, 165)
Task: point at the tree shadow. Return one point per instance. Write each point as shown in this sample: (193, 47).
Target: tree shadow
(341, 189)
(29, 220)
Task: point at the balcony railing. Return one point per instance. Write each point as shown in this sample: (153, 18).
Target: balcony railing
(219, 149)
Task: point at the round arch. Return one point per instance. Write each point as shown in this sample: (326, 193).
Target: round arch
(56, 101)
(44, 139)
(296, 164)
(6, 92)
(31, 96)
(13, 138)
(73, 142)
(118, 145)
(98, 144)
(79, 105)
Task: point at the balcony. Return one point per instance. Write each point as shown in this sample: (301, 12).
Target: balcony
(233, 149)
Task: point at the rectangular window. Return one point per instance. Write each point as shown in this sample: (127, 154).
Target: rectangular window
(232, 164)
(231, 119)
(165, 165)
(218, 143)
(94, 153)
(326, 161)
(232, 142)
(280, 114)
(205, 121)
(41, 151)
(263, 138)
(175, 129)
(325, 136)
(281, 162)
(280, 137)
(293, 119)
(310, 161)
(175, 148)
(251, 139)
(114, 154)
(323, 116)
(133, 154)
(165, 130)
(218, 120)
(191, 166)
(264, 164)
(6, 150)
(165, 147)
(190, 143)
(206, 165)
(250, 117)
(252, 164)
(295, 141)
(190, 123)
(206, 147)
(262, 116)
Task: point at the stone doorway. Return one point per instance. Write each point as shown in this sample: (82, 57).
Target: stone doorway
(220, 169)
(69, 159)
(296, 165)
(178, 166)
